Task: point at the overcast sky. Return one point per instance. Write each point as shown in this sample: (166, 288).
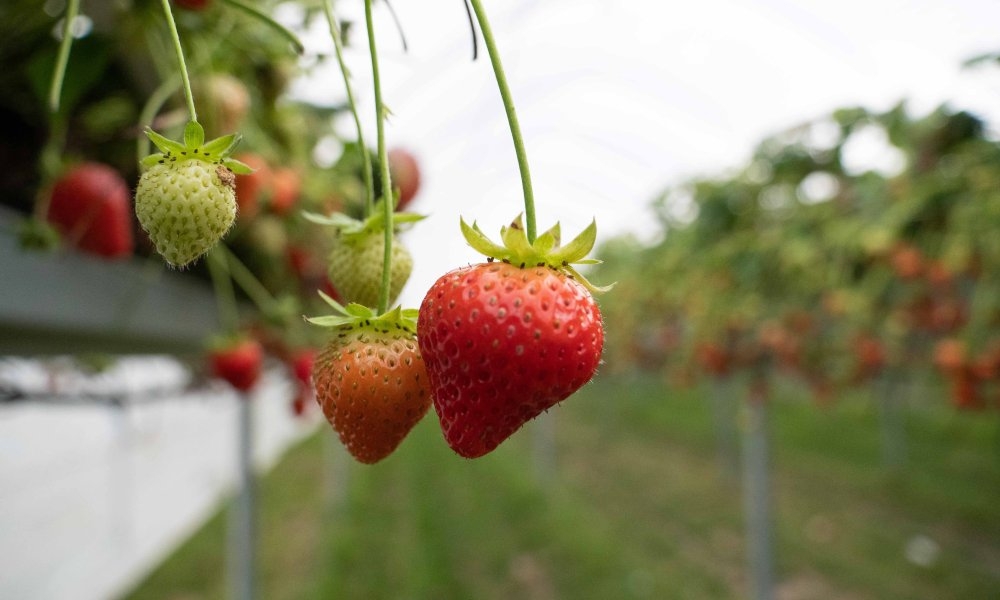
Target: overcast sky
(619, 99)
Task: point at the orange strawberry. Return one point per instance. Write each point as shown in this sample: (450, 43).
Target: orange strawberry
(370, 379)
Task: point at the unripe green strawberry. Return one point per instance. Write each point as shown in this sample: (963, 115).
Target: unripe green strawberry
(355, 267)
(357, 252)
(185, 207)
(186, 199)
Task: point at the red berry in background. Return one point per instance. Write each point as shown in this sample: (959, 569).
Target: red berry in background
(249, 188)
(302, 365)
(91, 206)
(286, 187)
(301, 401)
(238, 363)
(195, 5)
(405, 173)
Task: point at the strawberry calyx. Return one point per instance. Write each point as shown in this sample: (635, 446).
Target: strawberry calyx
(194, 147)
(358, 315)
(355, 229)
(546, 250)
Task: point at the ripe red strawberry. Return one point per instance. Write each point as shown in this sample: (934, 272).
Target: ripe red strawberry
(505, 341)
(370, 379)
(356, 256)
(405, 173)
(237, 362)
(186, 201)
(90, 206)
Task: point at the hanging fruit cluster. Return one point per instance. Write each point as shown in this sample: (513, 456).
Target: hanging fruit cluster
(227, 189)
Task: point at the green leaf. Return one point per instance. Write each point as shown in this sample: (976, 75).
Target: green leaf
(151, 160)
(545, 243)
(194, 135)
(333, 303)
(338, 220)
(480, 243)
(237, 167)
(579, 248)
(359, 310)
(166, 145)
(331, 320)
(221, 147)
(556, 232)
(516, 240)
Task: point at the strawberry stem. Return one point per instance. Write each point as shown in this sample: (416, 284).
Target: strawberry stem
(247, 281)
(59, 73)
(362, 147)
(267, 20)
(152, 106)
(225, 296)
(383, 157)
(515, 128)
(176, 39)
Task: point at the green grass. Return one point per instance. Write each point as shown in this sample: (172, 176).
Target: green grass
(638, 507)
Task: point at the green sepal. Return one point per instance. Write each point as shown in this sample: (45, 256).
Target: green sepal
(166, 145)
(194, 134)
(195, 148)
(151, 160)
(545, 250)
(240, 168)
(359, 315)
(350, 227)
(579, 247)
(221, 147)
(479, 242)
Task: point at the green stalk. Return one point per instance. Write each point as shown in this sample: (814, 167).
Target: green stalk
(383, 157)
(59, 73)
(362, 147)
(225, 296)
(153, 105)
(267, 20)
(247, 281)
(176, 38)
(515, 128)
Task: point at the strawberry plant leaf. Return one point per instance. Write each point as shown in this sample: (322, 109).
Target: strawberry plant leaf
(578, 248)
(479, 242)
(166, 145)
(240, 168)
(221, 147)
(333, 303)
(151, 160)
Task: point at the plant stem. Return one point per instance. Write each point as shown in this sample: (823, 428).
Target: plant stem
(362, 147)
(267, 20)
(225, 297)
(176, 38)
(247, 281)
(387, 203)
(59, 73)
(153, 104)
(515, 128)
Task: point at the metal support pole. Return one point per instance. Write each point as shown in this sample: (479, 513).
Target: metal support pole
(242, 536)
(724, 406)
(757, 498)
